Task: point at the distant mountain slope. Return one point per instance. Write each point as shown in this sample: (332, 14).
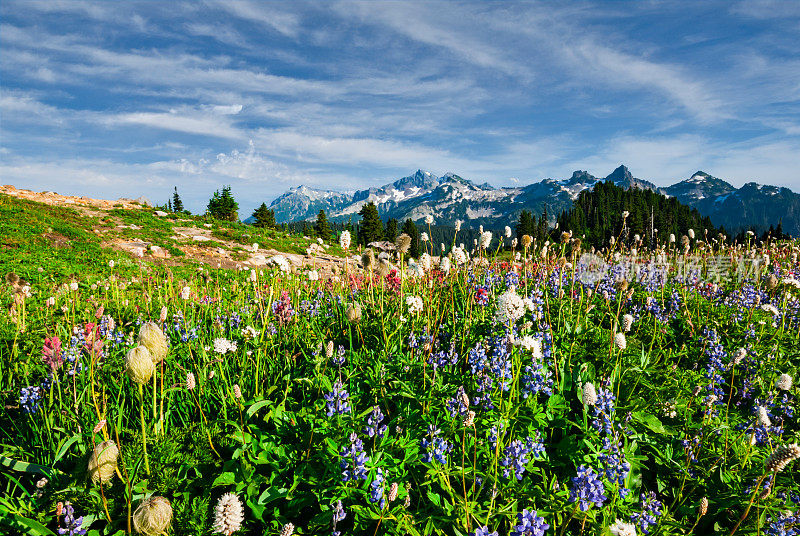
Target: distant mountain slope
(449, 198)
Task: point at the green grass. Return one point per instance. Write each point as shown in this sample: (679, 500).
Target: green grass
(278, 448)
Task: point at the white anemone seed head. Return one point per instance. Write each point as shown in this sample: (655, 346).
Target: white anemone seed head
(784, 382)
(139, 364)
(103, 462)
(152, 338)
(153, 516)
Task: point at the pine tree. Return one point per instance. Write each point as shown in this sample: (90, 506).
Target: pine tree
(526, 225)
(391, 230)
(411, 230)
(223, 206)
(322, 228)
(371, 226)
(265, 218)
(177, 204)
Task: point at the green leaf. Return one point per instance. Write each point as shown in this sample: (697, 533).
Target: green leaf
(34, 527)
(25, 467)
(257, 406)
(225, 479)
(65, 447)
(652, 422)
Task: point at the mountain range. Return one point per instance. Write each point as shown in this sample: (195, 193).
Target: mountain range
(449, 198)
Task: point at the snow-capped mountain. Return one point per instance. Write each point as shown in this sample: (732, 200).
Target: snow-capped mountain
(449, 198)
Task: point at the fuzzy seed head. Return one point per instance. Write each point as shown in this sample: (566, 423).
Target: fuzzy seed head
(190, 381)
(151, 337)
(103, 462)
(782, 456)
(784, 382)
(329, 349)
(237, 391)
(153, 516)
(139, 365)
(402, 243)
(228, 515)
(627, 323)
(526, 241)
(354, 313)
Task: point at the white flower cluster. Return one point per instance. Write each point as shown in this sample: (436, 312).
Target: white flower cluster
(486, 239)
(510, 307)
(248, 333)
(313, 275)
(185, 293)
(281, 262)
(415, 304)
(344, 239)
(460, 256)
(224, 346)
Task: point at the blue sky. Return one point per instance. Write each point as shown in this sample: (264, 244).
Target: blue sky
(112, 99)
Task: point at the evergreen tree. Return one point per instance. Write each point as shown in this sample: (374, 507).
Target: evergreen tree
(526, 224)
(371, 226)
(177, 204)
(322, 228)
(222, 206)
(391, 230)
(411, 230)
(307, 230)
(265, 218)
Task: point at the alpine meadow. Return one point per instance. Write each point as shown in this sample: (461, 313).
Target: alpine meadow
(358, 268)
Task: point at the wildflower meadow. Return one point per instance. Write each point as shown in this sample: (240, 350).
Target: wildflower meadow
(514, 388)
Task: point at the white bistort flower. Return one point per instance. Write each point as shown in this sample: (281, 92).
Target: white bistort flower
(313, 275)
(429, 219)
(185, 293)
(228, 515)
(444, 264)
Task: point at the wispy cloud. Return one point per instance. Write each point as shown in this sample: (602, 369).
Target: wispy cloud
(96, 95)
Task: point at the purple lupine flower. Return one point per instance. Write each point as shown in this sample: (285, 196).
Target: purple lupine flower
(459, 404)
(337, 400)
(483, 531)
(651, 511)
(29, 398)
(353, 460)
(338, 357)
(435, 447)
(529, 524)
(72, 524)
(516, 455)
(784, 525)
(374, 426)
(587, 489)
(338, 515)
(376, 489)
